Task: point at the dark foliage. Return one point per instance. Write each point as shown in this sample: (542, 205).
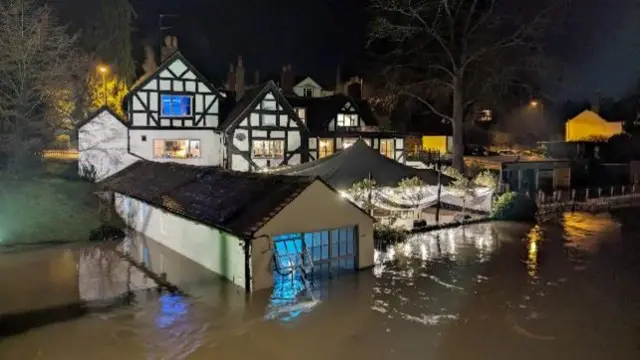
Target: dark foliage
(385, 235)
(106, 233)
(513, 206)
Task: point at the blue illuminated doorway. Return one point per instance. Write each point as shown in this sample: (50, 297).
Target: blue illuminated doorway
(319, 254)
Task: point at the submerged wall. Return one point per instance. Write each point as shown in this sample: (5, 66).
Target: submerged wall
(216, 250)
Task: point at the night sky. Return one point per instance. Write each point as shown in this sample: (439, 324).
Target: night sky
(312, 35)
(597, 44)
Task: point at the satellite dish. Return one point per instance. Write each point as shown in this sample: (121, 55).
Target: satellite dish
(240, 136)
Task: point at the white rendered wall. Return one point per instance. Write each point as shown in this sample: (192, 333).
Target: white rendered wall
(217, 251)
(102, 145)
(211, 149)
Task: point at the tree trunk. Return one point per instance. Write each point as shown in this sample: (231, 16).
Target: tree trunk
(458, 126)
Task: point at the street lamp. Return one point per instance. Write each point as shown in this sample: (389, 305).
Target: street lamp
(104, 70)
(534, 103)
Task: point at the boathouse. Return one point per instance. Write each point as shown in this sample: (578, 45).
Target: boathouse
(243, 226)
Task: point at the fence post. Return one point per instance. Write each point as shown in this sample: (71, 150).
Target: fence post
(586, 196)
(599, 192)
(622, 189)
(611, 190)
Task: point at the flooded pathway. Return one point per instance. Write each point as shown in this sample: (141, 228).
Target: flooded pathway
(495, 291)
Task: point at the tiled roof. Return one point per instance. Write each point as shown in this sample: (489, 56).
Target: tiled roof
(236, 202)
(249, 101)
(320, 111)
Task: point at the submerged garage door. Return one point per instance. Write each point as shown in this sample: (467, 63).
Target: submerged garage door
(318, 253)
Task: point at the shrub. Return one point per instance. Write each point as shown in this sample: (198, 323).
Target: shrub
(385, 235)
(512, 206)
(486, 179)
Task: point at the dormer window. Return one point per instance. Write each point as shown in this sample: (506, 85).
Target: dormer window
(176, 105)
(308, 92)
(348, 120)
(302, 114)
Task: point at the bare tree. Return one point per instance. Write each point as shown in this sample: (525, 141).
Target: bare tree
(449, 54)
(37, 64)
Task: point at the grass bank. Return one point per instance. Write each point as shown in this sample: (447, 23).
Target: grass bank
(52, 206)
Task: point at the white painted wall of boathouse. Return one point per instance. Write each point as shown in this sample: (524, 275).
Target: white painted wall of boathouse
(216, 250)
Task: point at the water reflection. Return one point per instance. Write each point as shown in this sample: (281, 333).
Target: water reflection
(534, 238)
(459, 244)
(503, 291)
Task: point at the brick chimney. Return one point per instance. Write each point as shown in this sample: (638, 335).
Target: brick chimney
(338, 80)
(595, 102)
(287, 79)
(239, 79)
(231, 78)
(283, 78)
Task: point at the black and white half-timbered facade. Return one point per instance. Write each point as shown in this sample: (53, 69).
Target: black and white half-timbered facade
(264, 131)
(336, 122)
(174, 116)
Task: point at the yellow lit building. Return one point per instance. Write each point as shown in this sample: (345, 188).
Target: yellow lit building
(588, 126)
(440, 143)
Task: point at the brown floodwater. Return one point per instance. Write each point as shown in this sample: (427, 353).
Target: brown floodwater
(568, 289)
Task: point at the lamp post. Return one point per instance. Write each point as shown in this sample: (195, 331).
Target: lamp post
(103, 70)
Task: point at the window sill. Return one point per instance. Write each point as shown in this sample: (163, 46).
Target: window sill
(162, 116)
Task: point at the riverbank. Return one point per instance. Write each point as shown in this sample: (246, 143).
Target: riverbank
(51, 207)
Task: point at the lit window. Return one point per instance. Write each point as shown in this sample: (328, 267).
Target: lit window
(269, 149)
(386, 148)
(176, 105)
(325, 148)
(486, 115)
(176, 149)
(302, 114)
(347, 120)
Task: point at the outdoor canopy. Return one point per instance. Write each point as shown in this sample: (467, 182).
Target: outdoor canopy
(358, 162)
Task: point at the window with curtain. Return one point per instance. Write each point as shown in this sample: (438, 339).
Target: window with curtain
(387, 148)
(268, 149)
(302, 114)
(176, 149)
(325, 148)
(176, 105)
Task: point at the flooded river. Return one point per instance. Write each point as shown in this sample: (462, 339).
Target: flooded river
(565, 290)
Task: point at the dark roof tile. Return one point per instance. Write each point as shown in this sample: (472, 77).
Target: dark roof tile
(236, 202)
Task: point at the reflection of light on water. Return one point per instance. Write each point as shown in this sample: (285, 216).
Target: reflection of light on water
(585, 231)
(450, 243)
(407, 249)
(285, 302)
(173, 308)
(534, 237)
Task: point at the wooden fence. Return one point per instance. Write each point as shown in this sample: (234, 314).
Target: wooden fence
(588, 199)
